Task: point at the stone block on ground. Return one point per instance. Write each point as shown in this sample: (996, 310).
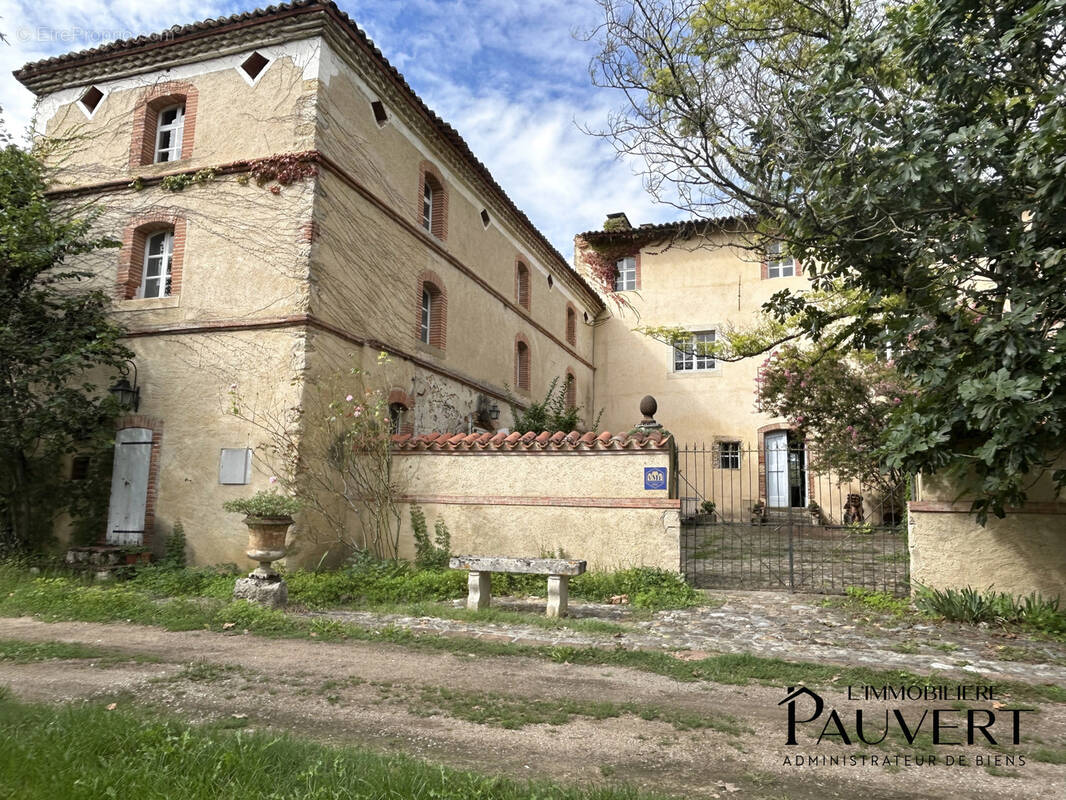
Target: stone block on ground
(270, 591)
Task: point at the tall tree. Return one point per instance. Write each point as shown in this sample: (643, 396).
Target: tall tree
(912, 156)
(54, 334)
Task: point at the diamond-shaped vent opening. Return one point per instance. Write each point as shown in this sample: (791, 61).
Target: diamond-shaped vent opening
(485, 217)
(91, 99)
(254, 64)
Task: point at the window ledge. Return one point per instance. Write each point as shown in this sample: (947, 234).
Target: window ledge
(430, 349)
(701, 373)
(147, 303)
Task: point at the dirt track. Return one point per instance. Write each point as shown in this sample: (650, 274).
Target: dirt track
(376, 695)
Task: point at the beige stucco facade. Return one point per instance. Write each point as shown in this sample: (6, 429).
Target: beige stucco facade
(280, 284)
(702, 284)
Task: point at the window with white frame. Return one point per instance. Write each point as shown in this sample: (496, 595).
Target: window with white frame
(427, 207)
(626, 279)
(689, 356)
(729, 455)
(778, 263)
(427, 314)
(170, 127)
(158, 262)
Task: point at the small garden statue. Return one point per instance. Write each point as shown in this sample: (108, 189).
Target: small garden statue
(853, 510)
(268, 516)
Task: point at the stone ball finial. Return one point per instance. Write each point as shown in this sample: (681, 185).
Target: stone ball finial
(648, 407)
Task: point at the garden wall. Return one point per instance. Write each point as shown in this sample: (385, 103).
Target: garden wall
(514, 495)
(1024, 552)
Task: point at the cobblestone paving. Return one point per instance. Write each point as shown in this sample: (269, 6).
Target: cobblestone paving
(772, 624)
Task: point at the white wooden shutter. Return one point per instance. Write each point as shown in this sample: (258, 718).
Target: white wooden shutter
(129, 486)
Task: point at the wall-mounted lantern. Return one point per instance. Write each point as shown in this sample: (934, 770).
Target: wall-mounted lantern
(128, 396)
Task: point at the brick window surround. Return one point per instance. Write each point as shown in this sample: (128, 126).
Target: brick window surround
(427, 173)
(156, 426)
(131, 256)
(521, 363)
(146, 113)
(571, 389)
(571, 323)
(522, 290)
(438, 309)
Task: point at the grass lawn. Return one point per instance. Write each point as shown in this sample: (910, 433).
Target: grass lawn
(85, 751)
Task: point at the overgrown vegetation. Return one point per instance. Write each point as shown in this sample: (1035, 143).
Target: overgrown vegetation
(57, 343)
(174, 548)
(88, 751)
(972, 606)
(553, 414)
(430, 553)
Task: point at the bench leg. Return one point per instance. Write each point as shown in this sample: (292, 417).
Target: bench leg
(558, 592)
(479, 590)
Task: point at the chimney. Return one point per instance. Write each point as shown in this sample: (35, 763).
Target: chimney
(618, 221)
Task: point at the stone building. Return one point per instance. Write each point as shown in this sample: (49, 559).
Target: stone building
(288, 207)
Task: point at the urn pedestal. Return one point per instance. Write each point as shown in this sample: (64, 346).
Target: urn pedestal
(266, 544)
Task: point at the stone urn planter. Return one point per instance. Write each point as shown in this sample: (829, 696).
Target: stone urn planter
(266, 542)
(268, 517)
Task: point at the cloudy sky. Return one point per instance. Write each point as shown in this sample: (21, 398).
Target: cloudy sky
(510, 75)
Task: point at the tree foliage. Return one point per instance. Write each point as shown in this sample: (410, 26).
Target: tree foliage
(912, 156)
(55, 338)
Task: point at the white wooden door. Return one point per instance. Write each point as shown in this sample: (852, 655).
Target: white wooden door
(129, 486)
(776, 444)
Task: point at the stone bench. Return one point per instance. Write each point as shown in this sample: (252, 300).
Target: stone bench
(479, 581)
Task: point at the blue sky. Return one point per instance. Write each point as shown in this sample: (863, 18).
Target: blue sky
(509, 76)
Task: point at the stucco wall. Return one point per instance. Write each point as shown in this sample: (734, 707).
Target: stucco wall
(587, 505)
(1023, 553)
(700, 288)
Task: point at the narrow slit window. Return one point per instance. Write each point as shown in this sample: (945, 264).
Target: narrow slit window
(427, 207)
(158, 262)
(381, 116)
(169, 131)
(427, 315)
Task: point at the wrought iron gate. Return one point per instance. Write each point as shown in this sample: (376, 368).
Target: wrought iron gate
(781, 518)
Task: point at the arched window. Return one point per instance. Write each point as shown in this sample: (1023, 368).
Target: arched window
(432, 202)
(521, 364)
(571, 389)
(163, 124)
(396, 417)
(571, 324)
(521, 284)
(431, 324)
(150, 262)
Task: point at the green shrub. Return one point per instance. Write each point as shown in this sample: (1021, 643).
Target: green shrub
(174, 548)
(969, 605)
(430, 554)
(647, 587)
(264, 504)
(165, 581)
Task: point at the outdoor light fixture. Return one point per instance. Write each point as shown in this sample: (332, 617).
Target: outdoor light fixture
(127, 396)
(494, 412)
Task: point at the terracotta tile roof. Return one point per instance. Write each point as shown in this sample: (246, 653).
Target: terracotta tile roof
(178, 33)
(533, 442)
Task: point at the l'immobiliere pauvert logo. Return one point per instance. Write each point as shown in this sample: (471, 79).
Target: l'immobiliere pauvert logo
(929, 720)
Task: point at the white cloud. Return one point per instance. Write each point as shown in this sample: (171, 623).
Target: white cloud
(507, 74)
